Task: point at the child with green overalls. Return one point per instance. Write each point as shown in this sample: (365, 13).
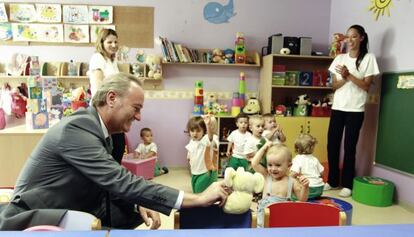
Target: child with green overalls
(202, 152)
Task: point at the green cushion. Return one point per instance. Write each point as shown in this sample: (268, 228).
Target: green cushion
(373, 191)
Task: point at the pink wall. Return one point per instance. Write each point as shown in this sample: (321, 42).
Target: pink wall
(391, 41)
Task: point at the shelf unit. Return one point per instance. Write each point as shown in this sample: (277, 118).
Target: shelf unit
(273, 95)
(269, 93)
(59, 70)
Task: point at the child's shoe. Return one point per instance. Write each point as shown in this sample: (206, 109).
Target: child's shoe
(165, 169)
(345, 192)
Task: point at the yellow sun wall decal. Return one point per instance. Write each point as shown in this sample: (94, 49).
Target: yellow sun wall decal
(379, 7)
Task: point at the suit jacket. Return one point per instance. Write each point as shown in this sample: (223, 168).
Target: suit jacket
(71, 168)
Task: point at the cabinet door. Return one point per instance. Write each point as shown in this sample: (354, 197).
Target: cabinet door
(292, 127)
(318, 128)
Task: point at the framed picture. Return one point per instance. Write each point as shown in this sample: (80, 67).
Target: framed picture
(76, 33)
(22, 12)
(49, 13)
(3, 13)
(100, 14)
(75, 14)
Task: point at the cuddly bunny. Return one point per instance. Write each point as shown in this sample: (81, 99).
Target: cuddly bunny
(243, 184)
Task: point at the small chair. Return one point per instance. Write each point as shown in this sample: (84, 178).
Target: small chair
(300, 214)
(212, 217)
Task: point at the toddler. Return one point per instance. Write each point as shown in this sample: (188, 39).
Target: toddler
(148, 149)
(308, 165)
(273, 131)
(278, 184)
(202, 152)
(237, 140)
(256, 124)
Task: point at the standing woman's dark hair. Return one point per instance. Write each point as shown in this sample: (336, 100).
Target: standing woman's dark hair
(363, 47)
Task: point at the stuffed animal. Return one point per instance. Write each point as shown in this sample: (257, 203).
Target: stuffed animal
(336, 45)
(210, 103)
(302, 100)
(154, 64)
(252, 106)
(327, 100)
(244, 184)
(217, 56)
(228, 56)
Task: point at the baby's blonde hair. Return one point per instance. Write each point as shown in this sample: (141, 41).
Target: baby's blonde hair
(254, 119)
(305, 144)
(280, 150)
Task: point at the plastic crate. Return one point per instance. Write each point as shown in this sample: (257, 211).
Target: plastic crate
(140, 167)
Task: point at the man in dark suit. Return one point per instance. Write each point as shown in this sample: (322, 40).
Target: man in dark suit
(71, 168)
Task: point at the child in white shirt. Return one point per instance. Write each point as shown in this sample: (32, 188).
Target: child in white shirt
(148, 149)
(272, 131)
(237, 140)
(256, 124)
(308, 165)
(202, 152)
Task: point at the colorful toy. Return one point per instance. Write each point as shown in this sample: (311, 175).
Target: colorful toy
(252, 106)
(217, 56)
(244, 184)
(228, 56)
(337, 44)
(240, 51)
(305, 78)
(301, 105)
(235, 104)
(140, 56)
(242, 90)
(280, 110)
(210, 103)
(198, 98)
(154, 64)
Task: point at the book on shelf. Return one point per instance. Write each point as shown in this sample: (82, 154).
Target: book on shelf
(178, 53)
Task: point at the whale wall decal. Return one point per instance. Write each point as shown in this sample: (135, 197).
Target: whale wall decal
(216, 13)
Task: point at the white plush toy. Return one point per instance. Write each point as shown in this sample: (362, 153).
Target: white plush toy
(154, 64)
(243, 184)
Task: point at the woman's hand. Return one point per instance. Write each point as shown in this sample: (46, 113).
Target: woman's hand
(343, 71)
(150, 217)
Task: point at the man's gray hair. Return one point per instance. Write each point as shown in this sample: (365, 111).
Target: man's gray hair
(119, 83)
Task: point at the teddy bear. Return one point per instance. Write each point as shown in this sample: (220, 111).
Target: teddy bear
(154, 64)
(244, 184)
(252, 106)
(217, 56)
(210, 103)
(336, 45)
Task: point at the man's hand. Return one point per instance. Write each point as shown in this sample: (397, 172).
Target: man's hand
(150, 217)
(216, 192)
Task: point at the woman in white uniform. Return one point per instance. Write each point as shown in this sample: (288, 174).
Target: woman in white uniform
(103, 63)
(353, 74)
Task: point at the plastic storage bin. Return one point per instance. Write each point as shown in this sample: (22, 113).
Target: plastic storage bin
(140, 167)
